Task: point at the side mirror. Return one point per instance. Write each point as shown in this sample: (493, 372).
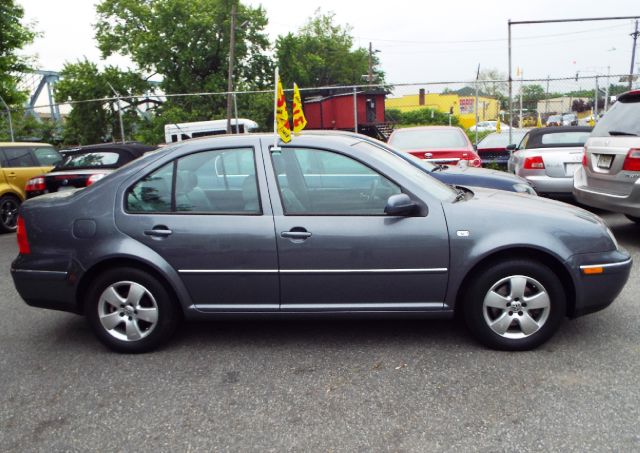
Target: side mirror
(400, 205)
(512, 147)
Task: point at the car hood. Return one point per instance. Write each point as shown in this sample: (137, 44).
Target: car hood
(483, 177)
(516, 219)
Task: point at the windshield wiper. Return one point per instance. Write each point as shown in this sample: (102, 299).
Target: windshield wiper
(461, 193)
(440, 167)
(628, 134)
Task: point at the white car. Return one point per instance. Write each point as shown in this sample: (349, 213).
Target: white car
(488, 126)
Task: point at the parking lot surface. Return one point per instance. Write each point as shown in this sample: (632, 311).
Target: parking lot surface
(401, 385)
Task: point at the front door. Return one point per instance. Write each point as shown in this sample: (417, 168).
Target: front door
(337, 248)
(205, 215)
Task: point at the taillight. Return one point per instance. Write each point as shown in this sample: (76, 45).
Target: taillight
(476, 163)
(584, 157)
(632, 161)
(534, 163)
(35, 184)
(21, 236)
(94, 178)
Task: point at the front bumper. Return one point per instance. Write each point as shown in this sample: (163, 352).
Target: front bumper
(625, 204)
(548, 185)
(596, 291)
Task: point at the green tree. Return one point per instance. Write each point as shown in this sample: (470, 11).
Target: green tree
(531, 94)
(97, 121)
(322, 53)
(13, 36)
(186, 42)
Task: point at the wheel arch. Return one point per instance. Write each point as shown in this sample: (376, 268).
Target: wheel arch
(530, 254)
(115, 262)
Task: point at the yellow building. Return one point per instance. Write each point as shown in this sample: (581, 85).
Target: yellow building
(463, 106)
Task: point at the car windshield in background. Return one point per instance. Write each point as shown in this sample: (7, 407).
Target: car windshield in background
(620, 120)
(554, 118)
(500, 140)
(428, 139)
(566, 138)
(95, 159)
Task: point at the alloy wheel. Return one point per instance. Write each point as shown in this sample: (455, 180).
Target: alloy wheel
(9, 213)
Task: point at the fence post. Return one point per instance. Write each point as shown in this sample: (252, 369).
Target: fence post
(510, 86)
(595, 103)
(9, 118)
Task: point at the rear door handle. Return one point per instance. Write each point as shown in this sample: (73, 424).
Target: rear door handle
(159, 231)
(296, 233)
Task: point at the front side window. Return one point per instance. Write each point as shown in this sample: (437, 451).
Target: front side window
(319, 182)
(210, 182)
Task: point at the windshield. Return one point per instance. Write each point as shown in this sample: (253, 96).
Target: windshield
(419, 177)
(97, 159)
(500, 140)
(411, 139)
(622, 117)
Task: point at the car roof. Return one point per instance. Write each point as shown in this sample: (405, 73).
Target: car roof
(22, 144)
(425, 128)
(629, 96)
(305, 139)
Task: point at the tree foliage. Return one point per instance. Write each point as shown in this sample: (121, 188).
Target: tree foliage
(423, 116)
(97, 121)
(14, 35)
(321, 53)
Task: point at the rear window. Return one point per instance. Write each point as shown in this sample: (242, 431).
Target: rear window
(428, 139)
(623, 119)
(96, 159)
(566, 138)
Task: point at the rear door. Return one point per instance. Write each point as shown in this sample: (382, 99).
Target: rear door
(208, 215)
(19, 166)
(338, 251)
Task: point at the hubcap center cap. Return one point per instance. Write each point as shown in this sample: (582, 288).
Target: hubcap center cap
(516, 306)
(128, 310)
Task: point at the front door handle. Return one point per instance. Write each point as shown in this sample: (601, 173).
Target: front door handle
(296, 233)
(159, 231)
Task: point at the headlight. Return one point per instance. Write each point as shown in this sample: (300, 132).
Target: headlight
(524, 188)
(612, 237)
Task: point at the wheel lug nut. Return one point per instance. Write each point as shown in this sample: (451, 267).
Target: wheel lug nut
(130, 318)
(510, 313)
(121, 314)
(520, 313)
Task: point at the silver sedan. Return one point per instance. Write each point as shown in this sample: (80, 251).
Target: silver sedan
(549, 157)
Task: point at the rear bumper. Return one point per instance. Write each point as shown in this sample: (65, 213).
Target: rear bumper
(595, 292)
(625, 204)
(53, 289)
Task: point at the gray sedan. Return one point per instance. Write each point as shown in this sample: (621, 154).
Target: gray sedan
(549, 157)
(327, 225)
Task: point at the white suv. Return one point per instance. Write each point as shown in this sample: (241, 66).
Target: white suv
(610, 174)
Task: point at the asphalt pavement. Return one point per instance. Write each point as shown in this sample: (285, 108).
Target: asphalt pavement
(353, 386)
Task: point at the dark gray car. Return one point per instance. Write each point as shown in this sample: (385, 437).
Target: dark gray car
(334, 225)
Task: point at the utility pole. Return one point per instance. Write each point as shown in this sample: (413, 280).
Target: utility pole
(606, 92)
(232, 51)
(370, 77)
(634, 35)
(595, 101)
(476, 109)
(119, 111)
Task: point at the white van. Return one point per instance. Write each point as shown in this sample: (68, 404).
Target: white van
(176, 132)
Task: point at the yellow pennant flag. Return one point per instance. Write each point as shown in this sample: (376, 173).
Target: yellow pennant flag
(539, 123)
(282, 116)
(498, 125)
(299, 120)
(592, 121)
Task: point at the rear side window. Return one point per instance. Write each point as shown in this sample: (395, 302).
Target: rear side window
(47, 156)
(210, 182)
(18, 157)
(622, 119)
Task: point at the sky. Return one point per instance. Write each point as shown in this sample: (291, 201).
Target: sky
(418, 41)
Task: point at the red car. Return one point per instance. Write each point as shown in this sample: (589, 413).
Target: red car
(437, 144)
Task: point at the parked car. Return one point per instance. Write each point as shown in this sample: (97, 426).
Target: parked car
(448, 174)
(20, 161)
(609, 177)
(230, 226)
(493, 148)
(436, 144)
(548, 158)
(566, 119)
(83, 166)
(491, 126)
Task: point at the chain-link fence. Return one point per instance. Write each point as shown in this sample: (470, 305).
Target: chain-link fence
(371, 109)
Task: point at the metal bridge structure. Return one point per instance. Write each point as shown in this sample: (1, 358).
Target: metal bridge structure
(38, 83)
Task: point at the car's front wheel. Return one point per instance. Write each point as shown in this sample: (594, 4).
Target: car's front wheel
(130, 310)
(633, 218)
(514, 305)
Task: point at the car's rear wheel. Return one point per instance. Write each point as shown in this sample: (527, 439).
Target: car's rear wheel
(130, 310)
(514, 305)
(9, 206)
(633, 218)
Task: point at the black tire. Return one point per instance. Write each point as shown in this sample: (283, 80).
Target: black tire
(155, 301)
(633, 218)
(9, 205)
(503, 278)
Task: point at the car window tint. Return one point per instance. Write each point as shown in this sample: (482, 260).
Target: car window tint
(218, 181)
(564, 138)
(47, 156)
(319, 182)
(152, 193)
(18, 157)
(622, 117)
(93, 159)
